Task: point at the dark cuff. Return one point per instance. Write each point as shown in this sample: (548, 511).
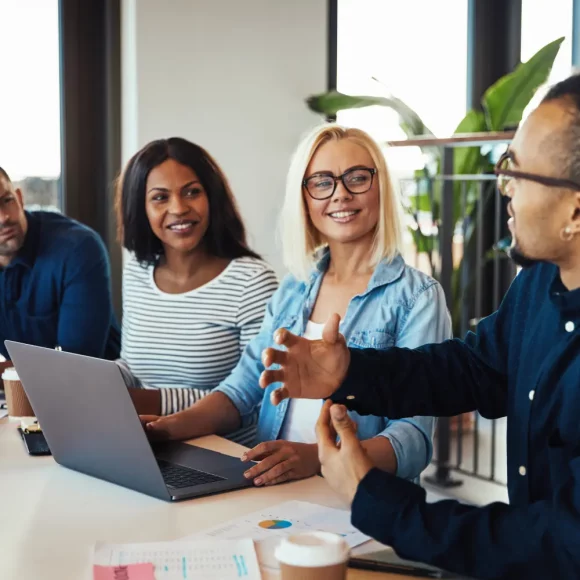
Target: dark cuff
(379, 500)
(351, 385)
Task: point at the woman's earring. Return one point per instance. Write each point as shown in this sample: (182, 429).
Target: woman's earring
(566, 235)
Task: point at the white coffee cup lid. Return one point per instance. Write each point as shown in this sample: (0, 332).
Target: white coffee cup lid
(10, 374)
(312, 549)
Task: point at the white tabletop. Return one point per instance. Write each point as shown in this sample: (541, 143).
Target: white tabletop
(51, 517)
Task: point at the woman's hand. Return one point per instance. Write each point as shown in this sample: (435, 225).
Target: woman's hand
(281, 461)
(165, 428)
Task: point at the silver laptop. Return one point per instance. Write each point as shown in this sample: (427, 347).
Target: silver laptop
(91, 426)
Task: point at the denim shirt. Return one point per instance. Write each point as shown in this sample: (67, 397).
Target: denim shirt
(400, 307)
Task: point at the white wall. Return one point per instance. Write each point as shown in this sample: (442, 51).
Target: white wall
(232, 76)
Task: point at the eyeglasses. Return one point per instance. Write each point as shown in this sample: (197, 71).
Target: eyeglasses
(505, 174)
(323, 185)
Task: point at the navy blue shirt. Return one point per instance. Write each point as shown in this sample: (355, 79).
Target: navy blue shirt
(524, 363)
(56, 291)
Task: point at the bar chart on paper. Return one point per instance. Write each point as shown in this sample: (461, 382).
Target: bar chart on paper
(209, 560)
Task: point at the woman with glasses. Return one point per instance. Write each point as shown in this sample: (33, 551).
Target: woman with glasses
(341, 233)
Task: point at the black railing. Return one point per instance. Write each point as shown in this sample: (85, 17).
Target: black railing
(462, 230)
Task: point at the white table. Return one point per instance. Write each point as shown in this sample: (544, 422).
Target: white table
(50, 517)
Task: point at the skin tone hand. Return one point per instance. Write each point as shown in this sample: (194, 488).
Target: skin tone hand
(161, 428)
(281, 461)
(310, 369)
(344, 463)
(212, 415)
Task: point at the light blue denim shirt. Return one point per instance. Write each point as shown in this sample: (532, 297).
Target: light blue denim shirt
(400, 307)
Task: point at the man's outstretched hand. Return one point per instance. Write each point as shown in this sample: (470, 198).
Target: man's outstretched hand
(310, 369)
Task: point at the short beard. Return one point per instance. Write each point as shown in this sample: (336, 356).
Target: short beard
(519, 258)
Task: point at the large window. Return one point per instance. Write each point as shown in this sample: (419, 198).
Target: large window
(30, 99)
(417, 51)
(542, 22)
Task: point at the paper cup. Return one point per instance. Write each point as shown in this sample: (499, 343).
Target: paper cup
(313, 556)
(16, 399)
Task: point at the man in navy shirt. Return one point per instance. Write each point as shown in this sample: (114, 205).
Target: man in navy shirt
(523, 362)
(54, 281)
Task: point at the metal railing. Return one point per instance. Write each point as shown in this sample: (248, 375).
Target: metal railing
(466, 222)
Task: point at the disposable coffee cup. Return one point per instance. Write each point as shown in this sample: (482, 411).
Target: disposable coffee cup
(313, 556)
(16, 399)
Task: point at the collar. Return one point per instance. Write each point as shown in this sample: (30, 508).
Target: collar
(567, 301)
(386, 271)
(29, 250)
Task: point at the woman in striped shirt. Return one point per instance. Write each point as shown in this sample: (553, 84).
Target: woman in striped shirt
(194, 293)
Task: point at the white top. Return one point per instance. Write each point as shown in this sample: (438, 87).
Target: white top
(302, 414)
(186, 344)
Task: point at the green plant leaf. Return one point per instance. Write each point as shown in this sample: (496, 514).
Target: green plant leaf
(467, 160)
(333, 101)
(504, 102)
(423, 243)
(420, 202)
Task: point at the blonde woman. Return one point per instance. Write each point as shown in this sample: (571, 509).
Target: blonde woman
(341, 233)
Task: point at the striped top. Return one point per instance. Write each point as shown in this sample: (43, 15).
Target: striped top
(186, 344)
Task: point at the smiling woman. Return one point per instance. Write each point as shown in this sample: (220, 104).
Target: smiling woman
(194, 293)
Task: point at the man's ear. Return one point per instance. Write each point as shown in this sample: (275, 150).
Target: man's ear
(18, 193)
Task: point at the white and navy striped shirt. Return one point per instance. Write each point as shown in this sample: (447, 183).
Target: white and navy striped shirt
(186, 344)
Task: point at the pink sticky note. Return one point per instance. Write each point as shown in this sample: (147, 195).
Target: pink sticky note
(130, 572)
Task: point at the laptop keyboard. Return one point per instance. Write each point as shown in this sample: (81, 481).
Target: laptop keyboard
(178, 476)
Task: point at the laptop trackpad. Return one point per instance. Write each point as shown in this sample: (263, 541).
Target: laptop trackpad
(195, 457)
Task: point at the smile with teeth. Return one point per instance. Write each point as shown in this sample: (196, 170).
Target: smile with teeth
(181, 226)
(344, 215)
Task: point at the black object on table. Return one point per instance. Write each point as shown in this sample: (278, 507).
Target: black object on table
(35, 442)
(388, 561)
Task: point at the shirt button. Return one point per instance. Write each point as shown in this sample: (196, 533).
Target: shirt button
(350, 398)
(570, 326)
(531, 395)
(522, 470)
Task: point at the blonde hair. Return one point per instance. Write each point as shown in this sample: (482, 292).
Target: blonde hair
(300, 239)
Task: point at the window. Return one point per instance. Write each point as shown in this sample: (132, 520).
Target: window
(30, 99)
(417, 51)
(542, 22)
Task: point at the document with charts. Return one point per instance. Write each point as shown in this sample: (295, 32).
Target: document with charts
(267, 526)
(186, 560)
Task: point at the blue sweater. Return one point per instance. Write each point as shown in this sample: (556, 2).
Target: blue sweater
(523, 363)
(56, 291)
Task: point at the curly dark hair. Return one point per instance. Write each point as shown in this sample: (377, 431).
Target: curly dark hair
(226, 234)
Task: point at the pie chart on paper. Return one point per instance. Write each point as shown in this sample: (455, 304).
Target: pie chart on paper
(275, 524)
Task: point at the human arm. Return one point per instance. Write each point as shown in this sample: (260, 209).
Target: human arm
(498, 541)
(442, 380)
(85, 310)
(215, 414)
(495, 541)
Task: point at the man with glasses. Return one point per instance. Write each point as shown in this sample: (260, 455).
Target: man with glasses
(522, 362)
(54, 281)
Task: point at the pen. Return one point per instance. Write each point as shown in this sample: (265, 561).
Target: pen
(406, 570)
